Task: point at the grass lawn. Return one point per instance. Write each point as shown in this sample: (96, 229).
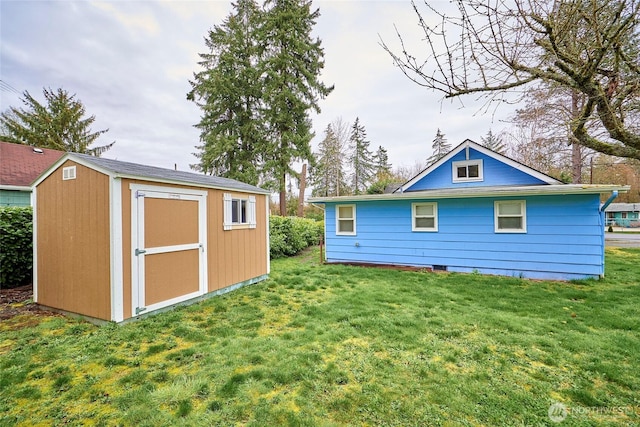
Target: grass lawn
(337, 345)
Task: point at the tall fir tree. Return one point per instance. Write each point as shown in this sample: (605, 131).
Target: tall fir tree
(59, 124)
(328, 173)
(381, 161)
(493, 143)
(291, 67)
(361, 158)
(440, 148)
(228, 91)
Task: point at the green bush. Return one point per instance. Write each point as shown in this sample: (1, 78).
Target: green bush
(16, 243)
(289, 235)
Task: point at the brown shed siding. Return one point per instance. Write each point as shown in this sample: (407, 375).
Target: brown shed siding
(235, 255)
(73, 253)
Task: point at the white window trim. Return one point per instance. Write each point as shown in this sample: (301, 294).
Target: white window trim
(466, 163)
(68, 173)
(523, 210)
(343, 233)
(228, 223)
(414, 216)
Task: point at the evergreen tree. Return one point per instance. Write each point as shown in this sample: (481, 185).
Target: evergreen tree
(292, 64)
(59, 124)
(440, 148)
(228, 91)
(381, 161)
(493, 143)
(361, 158)
(328, 175)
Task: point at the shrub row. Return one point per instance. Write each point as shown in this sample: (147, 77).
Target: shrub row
(289, 235)
(16, 246)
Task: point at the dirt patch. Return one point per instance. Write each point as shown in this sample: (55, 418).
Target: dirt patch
(16, 301)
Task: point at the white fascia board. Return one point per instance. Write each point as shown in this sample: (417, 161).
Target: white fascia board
(476, 192)
(186, 183)
(467, 143)
(15, 188)
(62, 160)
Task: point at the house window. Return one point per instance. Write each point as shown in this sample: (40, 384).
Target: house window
(425, 216)
(346, 220)
(239, 212)
(510, 216)
(467, 171)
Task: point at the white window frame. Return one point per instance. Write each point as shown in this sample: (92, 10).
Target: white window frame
(523, 215)
(68, 173)
(352, 218)
(250, 211)
(466, 164)
(414, 216)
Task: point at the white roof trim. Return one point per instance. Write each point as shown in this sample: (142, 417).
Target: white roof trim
(467, 143)
(16, 188)
(475, 192)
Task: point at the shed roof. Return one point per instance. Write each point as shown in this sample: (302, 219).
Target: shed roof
(120, 169)
(22, 164)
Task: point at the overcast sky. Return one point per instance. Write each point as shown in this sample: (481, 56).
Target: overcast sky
(130, 62)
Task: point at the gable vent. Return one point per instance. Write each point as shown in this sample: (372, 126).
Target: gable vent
(68, 173)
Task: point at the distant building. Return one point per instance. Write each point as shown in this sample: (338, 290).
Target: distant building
(623, 214)
(20, 165)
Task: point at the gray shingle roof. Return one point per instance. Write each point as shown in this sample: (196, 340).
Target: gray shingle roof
(623, 207)
(135, 170)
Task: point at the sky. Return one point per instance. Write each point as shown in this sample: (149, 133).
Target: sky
(130, 62)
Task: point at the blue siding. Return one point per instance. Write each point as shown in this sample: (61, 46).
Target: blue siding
(564, 238)
(495, 173)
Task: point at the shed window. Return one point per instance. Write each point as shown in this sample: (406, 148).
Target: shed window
(346, 220)
(425, 216)
(511, 216)
(68, 173)
(239, 212)
(468, 171)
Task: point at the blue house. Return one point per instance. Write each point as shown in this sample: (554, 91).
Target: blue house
(475, 211)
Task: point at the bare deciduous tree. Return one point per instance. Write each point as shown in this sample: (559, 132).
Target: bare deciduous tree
(492, 47)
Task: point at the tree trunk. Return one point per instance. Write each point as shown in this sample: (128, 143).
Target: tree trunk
(303, 184)
(576, 149)
(283, 195)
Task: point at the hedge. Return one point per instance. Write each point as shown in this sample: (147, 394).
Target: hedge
(289, 235)
(16, 243)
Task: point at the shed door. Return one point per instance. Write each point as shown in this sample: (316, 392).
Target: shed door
(169, 246)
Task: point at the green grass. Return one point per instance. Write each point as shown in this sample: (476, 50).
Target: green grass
(338, 345)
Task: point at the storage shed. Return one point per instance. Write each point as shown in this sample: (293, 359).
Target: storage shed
(115, 240)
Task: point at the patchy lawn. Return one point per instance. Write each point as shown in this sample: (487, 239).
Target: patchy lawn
(338, 345)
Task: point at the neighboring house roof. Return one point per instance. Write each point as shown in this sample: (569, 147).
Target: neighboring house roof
(21, 164)
(623, 207)
(468, 144)
(120, 169)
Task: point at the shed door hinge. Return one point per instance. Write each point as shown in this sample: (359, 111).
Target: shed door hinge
(139, 194)
(140, 310)
(140, 251)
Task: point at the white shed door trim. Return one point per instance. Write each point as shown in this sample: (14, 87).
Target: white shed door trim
(138, 250)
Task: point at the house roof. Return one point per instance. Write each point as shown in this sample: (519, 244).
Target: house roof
(22, 164)
(470, 144)
(120, 169)
(623, 207)
(474, 192)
